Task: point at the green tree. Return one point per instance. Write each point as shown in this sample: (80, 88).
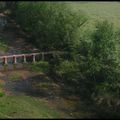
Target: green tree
(103, 70)
(52, 26)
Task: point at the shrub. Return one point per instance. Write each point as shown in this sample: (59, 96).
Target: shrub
(51, 25)
(102, 69)
(41, 66)
(96, 70)
(68, 70)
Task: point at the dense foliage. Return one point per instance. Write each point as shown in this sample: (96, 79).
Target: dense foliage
(2, 6)
(51, 26)
(94, 70)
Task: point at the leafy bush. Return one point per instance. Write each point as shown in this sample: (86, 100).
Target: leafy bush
(96, 70)
(100, 66)
(51, 25)
(40, 66)
(3, 44)
(68, 70)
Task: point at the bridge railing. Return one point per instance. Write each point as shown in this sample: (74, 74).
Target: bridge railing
(24, 56)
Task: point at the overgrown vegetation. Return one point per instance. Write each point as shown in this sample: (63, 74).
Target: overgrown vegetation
(40, 66)
(51, 26)
(3, 45)
(92, 65)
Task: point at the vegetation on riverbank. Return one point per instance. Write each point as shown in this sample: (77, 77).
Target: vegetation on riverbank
(3, 45)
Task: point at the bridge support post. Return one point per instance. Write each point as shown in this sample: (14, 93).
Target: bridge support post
(14, 59)
(5, 60)
(24, 57)
(34, 58)
(43, 56)
(5, 63)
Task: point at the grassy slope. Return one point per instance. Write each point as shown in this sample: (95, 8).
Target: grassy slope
(99, 10)
(25, 107)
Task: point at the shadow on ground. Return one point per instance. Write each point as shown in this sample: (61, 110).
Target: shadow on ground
(43, 87)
